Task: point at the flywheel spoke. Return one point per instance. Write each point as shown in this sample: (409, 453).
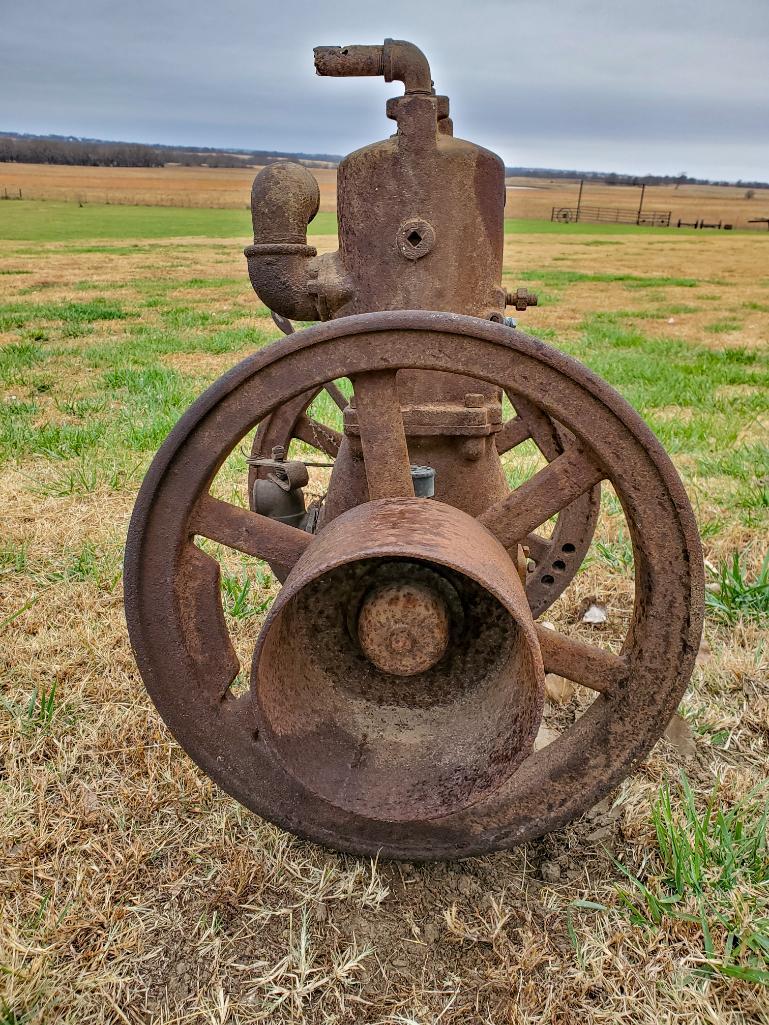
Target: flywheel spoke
(539, 547)
(337, 395)
(248, 532)
(382, 435)
(318, 435)
(582, 663)
(550, 489)
(540, 428)
(514, 433)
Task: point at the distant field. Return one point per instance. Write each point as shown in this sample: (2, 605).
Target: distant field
(229, 188)
(52, 221)
(218, 187)
(43, 221)
(712, 203)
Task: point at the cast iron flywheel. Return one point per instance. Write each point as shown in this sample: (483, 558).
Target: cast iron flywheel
(397, 682)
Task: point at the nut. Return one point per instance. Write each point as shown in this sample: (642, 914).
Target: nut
(521, 298)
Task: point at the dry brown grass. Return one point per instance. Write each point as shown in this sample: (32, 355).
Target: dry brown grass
(690, 203)
(131, 890)
(532, 198)
(225, 187)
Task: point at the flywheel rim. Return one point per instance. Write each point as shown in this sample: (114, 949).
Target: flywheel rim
(553, 785)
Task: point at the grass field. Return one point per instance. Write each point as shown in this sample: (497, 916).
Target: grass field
(228, 188)
(133, 891)
(44, 220)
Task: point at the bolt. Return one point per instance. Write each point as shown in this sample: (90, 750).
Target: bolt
(472, 448)
(521, 298)
(278, 453)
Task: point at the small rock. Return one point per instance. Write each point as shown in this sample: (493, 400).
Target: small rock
(550, 872)
(465, 885)
(595, 615)
(558, 689)
(671, 320)
(602, 833)
(705, 654)
(430, 933)
(544, 737)
(602, 808)
(679, 734)
(545, 625)
(321, 912)
(89, 803)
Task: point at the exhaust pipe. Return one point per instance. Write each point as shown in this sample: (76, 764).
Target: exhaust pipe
(284, 199)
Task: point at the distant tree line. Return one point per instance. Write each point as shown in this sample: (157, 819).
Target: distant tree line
(611, 178)
(89, 154)
(51, 149)
(22, 148)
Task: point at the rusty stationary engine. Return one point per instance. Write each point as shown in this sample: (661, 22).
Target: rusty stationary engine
(396, 686)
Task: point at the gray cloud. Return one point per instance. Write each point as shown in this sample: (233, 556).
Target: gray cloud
(617, 86)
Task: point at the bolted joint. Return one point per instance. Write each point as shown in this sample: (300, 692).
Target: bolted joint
(521, 298)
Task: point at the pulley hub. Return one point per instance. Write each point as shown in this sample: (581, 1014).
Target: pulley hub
(403, 627)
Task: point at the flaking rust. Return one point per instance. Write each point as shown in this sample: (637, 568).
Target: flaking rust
(396, 686)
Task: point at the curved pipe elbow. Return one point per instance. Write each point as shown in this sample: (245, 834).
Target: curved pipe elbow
(397, 60)
(284, 199)
(404, 62)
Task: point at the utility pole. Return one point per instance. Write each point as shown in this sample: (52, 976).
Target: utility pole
(579, 197)
(641, 204)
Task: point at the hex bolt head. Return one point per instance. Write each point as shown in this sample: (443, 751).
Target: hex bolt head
(521, 298)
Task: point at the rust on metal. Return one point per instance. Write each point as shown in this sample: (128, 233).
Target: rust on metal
(433, 240)
(396, 685)
(403, 626)
(432, 729)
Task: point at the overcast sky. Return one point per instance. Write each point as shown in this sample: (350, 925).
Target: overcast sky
(624, 86)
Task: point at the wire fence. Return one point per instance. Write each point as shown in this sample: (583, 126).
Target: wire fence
(610, 215)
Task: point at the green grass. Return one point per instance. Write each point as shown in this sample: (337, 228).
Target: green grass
(616, 555)
(86, 477)
(239, 597)
(147, 344)
(723, 327)
(559, 278)
(617, 318)
(13, 557)
(44, 221)
(733, 595)
(656, 375)
(710, 869)
(16, 358)
(38, 712)
(52, 221)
